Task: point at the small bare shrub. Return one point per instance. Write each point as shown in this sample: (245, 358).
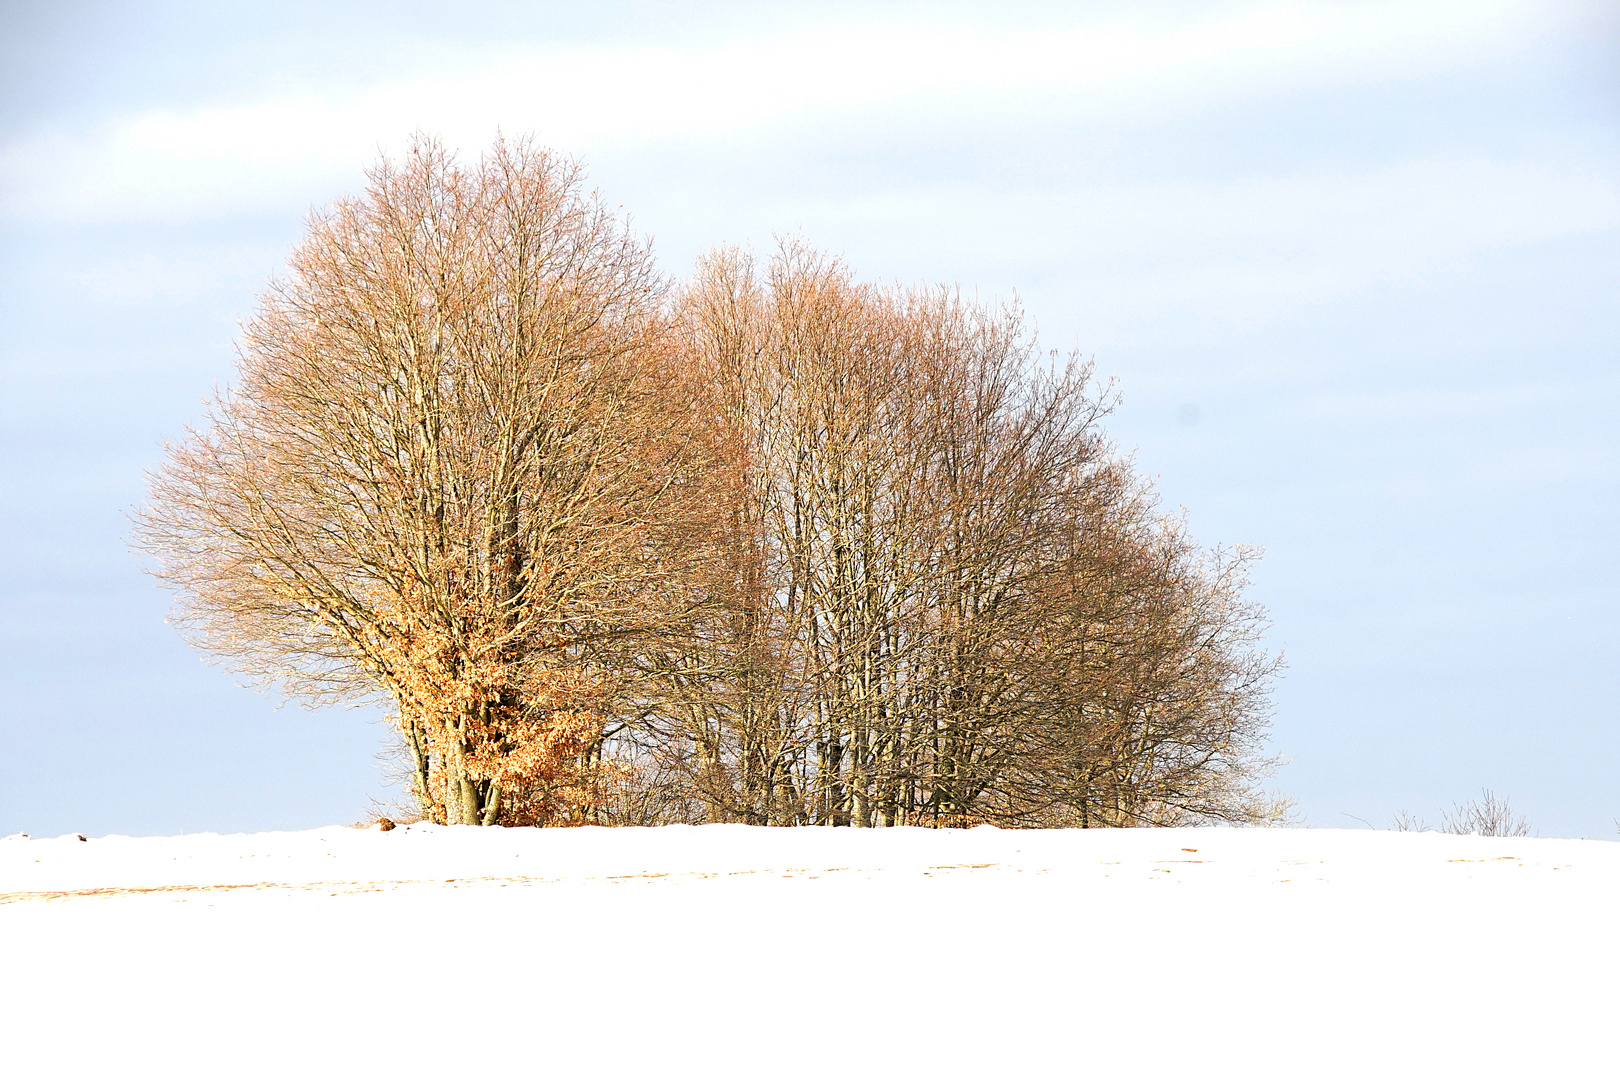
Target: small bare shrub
(1488, 815)
(1406, 821)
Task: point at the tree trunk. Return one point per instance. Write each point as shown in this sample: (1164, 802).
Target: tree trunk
(464, 797)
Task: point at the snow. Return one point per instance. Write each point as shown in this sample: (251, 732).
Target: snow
(727, 951)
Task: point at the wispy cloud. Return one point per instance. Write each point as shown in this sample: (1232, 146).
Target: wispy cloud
(211, 159)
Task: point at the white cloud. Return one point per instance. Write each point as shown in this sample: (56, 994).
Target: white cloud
(211, 160)
(1273, 240)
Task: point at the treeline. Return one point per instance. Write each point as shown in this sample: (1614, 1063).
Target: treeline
(769, 545)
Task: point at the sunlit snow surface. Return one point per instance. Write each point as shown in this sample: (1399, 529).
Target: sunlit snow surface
(728, 951)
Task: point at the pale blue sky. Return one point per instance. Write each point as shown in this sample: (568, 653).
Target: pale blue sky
(1354, 266)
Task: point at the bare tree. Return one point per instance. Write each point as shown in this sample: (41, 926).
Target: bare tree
(954, 604)
(461, 471)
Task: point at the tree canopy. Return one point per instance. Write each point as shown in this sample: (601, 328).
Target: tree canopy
(768, 545)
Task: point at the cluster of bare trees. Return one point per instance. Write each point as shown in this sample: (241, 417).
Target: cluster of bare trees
(769, 546)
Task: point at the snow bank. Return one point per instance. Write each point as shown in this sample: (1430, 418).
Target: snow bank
(730, 951)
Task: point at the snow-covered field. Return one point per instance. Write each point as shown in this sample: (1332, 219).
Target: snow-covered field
(728, 951)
